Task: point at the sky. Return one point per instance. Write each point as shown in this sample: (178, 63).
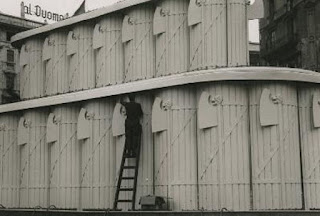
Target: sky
(62, 7)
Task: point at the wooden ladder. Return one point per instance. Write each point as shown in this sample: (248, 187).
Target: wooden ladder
(134, 178)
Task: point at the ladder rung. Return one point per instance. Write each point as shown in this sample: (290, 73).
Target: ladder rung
(124, 200)
(130, 156)
(127, 178)
(129, 167)
(125, 189)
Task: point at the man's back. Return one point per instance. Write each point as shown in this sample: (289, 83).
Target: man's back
(133, 110)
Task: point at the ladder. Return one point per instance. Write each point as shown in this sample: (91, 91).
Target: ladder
(134, 178)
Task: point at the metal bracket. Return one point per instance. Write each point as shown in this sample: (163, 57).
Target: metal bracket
(27, 123)
(164, 12)
(276, 99)
(216, 100)
(165, 106)
(199, 3)
(3, 127)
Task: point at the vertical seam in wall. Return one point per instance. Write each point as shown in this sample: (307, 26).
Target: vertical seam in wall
(227, 35)
(249, 151)
(300, 149)
(197, 160)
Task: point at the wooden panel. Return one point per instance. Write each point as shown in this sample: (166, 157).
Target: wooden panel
(84, 129)
(275, 150)
(173, 47)
(194, 12)
(159, 116)
(175, 165)
(23, 135)
(98, 170)
(316, 109)
(71, 43)
(256, 10)
(223, 151)
(268, 109)
(118, 120)
(24, 56)
(97, 37)
(52, 128)
(108, 58)
(47, 51)
(159, 21)
(207, 113)
(127, 29)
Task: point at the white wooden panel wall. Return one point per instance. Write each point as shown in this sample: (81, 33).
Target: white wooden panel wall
(108, 51)
(175, 150)
(237, 33)
(276, 173)
(145, 177)
(139, 57)
(223, 150)
(98, 170)
(55, 63)
(64, 160)
(81, 72)
(208, 34)
(31, 75)
(310, 145)
(9, 161)
(172, 37)
(34, 162)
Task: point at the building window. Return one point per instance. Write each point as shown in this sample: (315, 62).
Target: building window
(273, 38)
(271, 8)
(10, 56)
(9, 35)
(10, 60)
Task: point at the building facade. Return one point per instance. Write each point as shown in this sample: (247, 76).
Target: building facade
(9, 56)
(290, 33)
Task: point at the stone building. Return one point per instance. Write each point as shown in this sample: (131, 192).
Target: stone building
(290, 33)
(9, 67)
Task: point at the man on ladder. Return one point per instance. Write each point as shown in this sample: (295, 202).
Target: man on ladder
(133, 127)
(131, 150)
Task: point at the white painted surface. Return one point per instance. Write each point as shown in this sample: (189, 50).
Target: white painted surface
(241, 73)
(175, 172)
(223, 151)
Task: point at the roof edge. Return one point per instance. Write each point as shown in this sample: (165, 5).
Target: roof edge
(76, 19)
(196, 77)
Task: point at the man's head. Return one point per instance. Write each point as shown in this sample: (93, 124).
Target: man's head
(131, 97)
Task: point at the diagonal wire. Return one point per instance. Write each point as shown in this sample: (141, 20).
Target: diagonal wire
(61, 151)
(274, 152)
(54, 66)
(169, 42)
(30, 154)
(205, 34)
(135, 49)
(108, 53)
(174, 141)
(78, 64)
(94, 150)
(223, 142)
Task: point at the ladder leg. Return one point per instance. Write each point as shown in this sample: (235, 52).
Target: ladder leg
(136, 173)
